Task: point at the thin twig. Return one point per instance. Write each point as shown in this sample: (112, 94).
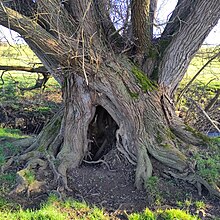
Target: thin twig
(196, 75)
(205, 114)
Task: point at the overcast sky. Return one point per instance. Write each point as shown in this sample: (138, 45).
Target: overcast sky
(165, 7)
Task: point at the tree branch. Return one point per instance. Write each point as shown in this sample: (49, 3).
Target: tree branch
(110, 33)
(140, 18)
(205, 114)
(39, 82)
(178, 18)
(33, 32)
(54, 53)
(53, 17)
(184, 44)
(213, 101)
(40, 69)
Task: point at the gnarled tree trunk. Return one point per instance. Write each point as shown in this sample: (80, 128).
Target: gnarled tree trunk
(112, 88)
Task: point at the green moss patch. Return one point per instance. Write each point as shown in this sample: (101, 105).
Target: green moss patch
(145, 83)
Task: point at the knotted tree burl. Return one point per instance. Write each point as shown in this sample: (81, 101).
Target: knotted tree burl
(116, 78)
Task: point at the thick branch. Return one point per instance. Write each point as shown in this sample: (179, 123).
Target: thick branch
(140, 10)
(111, 35)
(178, 18)
(84, 14)
(33, 32)
(53, 17)
(53, 53)
(39, 82)
(40, 69)
(187, 41)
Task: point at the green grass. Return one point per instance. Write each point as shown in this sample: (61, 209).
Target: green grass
(209, 167)
(10, 133)
(6, 147)
(171, 214)
(17, 55)
(55, 209)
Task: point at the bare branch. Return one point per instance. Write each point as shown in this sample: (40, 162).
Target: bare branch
(40, 69)
(33, 32)
(213, 101)
(196, 75)
(40, 83)
(53, 17)
(205, 114)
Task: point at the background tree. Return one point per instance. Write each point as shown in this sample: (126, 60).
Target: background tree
(117, 80)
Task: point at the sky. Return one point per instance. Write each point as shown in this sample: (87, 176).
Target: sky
(165, 7)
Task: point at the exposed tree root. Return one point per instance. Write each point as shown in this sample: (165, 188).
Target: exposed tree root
(196, 180)
(144, 168)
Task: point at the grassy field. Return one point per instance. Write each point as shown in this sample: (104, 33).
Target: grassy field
(210, 75)
(11, 81)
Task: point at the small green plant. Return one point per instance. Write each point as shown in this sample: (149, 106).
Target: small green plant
(147, 214)
(187, 203)
(171, 214)
(2, 158)
(152, 183)
(52, 198)
(152, 187)
(96, 214)
(80, 205)
(43, 109)
(3, 203)
(179, 204)
(29, 176)
(200, 205)
(209, 167)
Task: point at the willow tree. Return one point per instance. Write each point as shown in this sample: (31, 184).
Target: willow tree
(118, 80)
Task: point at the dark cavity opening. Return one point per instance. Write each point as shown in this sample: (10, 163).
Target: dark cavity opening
(101, 134)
